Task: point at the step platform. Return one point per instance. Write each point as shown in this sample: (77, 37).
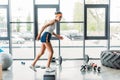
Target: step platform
(50, 75)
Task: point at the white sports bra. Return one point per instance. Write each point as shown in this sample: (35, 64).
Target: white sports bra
(50, 29)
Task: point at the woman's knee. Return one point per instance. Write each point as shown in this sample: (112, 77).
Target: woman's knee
(51, 51)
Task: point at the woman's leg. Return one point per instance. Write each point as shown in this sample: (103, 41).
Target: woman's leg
(50, 49)
(40, 54)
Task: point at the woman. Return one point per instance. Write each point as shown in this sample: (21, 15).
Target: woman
(47, 30)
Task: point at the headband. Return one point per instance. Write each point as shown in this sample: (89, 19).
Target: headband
(59, 14)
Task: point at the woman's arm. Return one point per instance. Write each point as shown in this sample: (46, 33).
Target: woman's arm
(58, 36)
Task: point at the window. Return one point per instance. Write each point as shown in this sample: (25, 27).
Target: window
(4, 20)
(21, 13)
(3, 2)
(114, 34)
(96, 1)
(115, 10)
(22, 39)
(71, 45)
(96, 21)
(46, 2)
(72, 10)
(93, 48)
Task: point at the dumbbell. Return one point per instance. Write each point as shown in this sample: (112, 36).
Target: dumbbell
(83, 68)
(89, 67)
(23, 63)
(53, 59)
(94, 66)
(99, 69)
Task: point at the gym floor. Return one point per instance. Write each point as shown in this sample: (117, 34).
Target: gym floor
(70, 70)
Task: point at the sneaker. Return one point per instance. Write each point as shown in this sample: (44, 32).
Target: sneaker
(50, 70)
(33, 68)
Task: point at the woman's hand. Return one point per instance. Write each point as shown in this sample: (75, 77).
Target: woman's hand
(38, 37)
(60, 37)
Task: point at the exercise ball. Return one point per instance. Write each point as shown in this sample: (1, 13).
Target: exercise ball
(5, 60)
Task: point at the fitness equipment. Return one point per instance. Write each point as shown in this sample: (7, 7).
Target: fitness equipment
(53, 60)
(110, 58)
(86, 59)
(85, 66)
(60, 60)
(99, 69)
(90, 67)
(60, 57)
(50, 75)
(5, 59)
(95, 67)
(23, 63)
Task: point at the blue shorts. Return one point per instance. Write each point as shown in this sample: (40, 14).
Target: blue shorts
(45, 37)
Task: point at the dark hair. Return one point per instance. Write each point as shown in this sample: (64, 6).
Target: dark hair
(58, 12)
